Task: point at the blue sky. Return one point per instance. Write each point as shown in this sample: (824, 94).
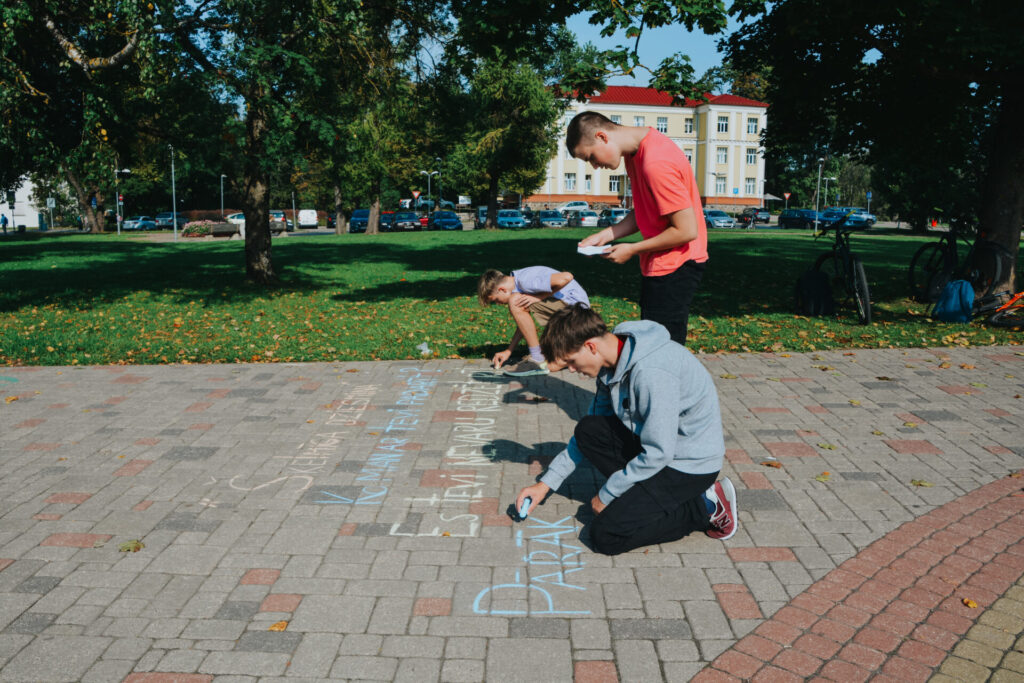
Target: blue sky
(655, 45)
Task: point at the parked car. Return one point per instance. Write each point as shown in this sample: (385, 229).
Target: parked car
(165, 220)
(799, 218)
(407, 220)
(753, 216)
(308, 219)
(610, 217)
(444, 220)
(858, 217)
(528, 215)
(387, 221)
(573, 206)
(548, 218)
(279, 223)
(588, 219)
(511, 218)
(359, 221)
(719, 219)
(139, 223)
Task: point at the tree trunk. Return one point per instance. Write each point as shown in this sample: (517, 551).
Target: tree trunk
(492, 203)
(95, 221)
(256, 199)
(374, 220)
(339, 214)
(1002, 206)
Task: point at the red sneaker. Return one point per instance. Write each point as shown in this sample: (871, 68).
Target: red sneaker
(723, 521)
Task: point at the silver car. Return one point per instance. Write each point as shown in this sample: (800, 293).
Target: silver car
(139, 223)
(719, 219)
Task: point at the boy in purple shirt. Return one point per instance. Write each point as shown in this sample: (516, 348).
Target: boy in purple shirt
(536, 292)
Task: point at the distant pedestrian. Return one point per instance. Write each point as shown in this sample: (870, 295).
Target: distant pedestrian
(3, 222)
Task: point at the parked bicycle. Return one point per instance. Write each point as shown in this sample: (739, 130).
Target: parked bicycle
(844, 269)
(937, 263)
(1010, 314)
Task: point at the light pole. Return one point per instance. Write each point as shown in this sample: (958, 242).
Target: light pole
(826, 189)
(440, 194)
(174, 196)
(117, 194)
(432, 173)
(222, 177)
(817, 193)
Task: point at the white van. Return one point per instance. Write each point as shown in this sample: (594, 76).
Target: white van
(573, 206)
(308, 219)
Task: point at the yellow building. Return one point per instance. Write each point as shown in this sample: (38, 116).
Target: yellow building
(720, 137)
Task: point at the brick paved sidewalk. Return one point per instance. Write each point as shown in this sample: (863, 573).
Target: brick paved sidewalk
(347, 521)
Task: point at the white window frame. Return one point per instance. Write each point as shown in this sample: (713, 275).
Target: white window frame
(751, 156)
(752, 126)
(723, 123)
(720, 186)
(639, 121)
(614, 182)
(569, 182)
(616, 118)
(588, 183)
(662, 124)
(688, 125)
(750, 186)
(721, 155)
(689, 155)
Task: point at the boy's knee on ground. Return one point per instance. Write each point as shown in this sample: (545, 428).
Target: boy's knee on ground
(602, 540)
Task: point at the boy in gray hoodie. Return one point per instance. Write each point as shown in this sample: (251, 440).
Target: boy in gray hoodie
(654, 429)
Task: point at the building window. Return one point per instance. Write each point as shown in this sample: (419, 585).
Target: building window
(662, 124)
(689, 155)
(720, 186)
(587, 182)
(722, 155)
(570, 181)
(752, 126)
(613, 183)
(723, 124)
(568, 154)
(688, 125)
(750, 187)
(751, 156)
(616, 119)
(638, 121)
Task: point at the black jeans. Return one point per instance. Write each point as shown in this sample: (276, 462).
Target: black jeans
(666, 299)
(661, 509)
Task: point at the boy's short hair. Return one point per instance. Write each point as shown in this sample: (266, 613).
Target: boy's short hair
(568, 329)
(489, 282)
(583, 126)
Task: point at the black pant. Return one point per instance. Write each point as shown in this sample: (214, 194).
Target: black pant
(666, 299)
(660, 509)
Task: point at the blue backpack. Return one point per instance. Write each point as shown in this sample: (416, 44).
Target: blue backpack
(956, 302)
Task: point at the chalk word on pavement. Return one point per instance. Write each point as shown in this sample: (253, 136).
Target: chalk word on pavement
(550, 564)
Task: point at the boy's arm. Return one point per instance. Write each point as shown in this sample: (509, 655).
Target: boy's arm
(659, 409)
(627, 226)
(681, 228)
(559, 280)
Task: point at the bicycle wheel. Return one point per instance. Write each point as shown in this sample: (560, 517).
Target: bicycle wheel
(828, 264)
(1008, 317)
(861, 295)
(929, 272)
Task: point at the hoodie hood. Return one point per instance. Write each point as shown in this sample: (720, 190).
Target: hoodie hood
(642, 338)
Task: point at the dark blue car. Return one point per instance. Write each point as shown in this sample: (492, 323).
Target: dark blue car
(444, 220)
(360, 219)
(800, 218)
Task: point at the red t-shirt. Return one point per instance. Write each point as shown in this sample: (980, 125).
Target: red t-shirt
(663, 183)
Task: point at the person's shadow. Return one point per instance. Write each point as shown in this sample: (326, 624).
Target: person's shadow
(573, 400)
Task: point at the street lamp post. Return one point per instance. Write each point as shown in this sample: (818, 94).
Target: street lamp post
(222, 177)
(440, 194)
(431, 173)
(174, 196)
(117, 194)
(817, 193)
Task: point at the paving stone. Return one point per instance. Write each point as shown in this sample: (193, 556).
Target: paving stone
(268, 641)
(65, 658)
(518, 659)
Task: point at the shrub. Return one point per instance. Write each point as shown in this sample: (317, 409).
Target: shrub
(197, 229)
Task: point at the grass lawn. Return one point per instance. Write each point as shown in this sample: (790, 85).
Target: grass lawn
(84, 299)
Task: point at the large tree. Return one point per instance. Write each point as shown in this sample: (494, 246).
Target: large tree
(930, 92)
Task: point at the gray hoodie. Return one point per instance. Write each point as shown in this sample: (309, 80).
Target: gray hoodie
(666, 397)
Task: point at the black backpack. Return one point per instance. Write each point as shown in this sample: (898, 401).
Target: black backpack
(813, 294)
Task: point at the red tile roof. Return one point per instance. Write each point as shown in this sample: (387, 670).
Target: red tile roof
(629, 94)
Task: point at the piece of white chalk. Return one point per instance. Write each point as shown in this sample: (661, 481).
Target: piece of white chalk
(525, 510)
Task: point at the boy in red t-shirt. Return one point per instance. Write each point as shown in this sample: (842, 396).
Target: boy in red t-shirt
(666, 211)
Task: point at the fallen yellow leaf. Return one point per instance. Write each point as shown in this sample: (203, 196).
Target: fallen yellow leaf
(772, 463)
(921, 482)
(278, 626)
(878, 433)
(970, 603)
(132, 546)
(827, 446)
(910, 424)
(727, 376)
(10, 399)
(824, 476)
(854, 402)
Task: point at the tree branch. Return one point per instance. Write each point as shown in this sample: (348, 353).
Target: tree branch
(90, 64)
